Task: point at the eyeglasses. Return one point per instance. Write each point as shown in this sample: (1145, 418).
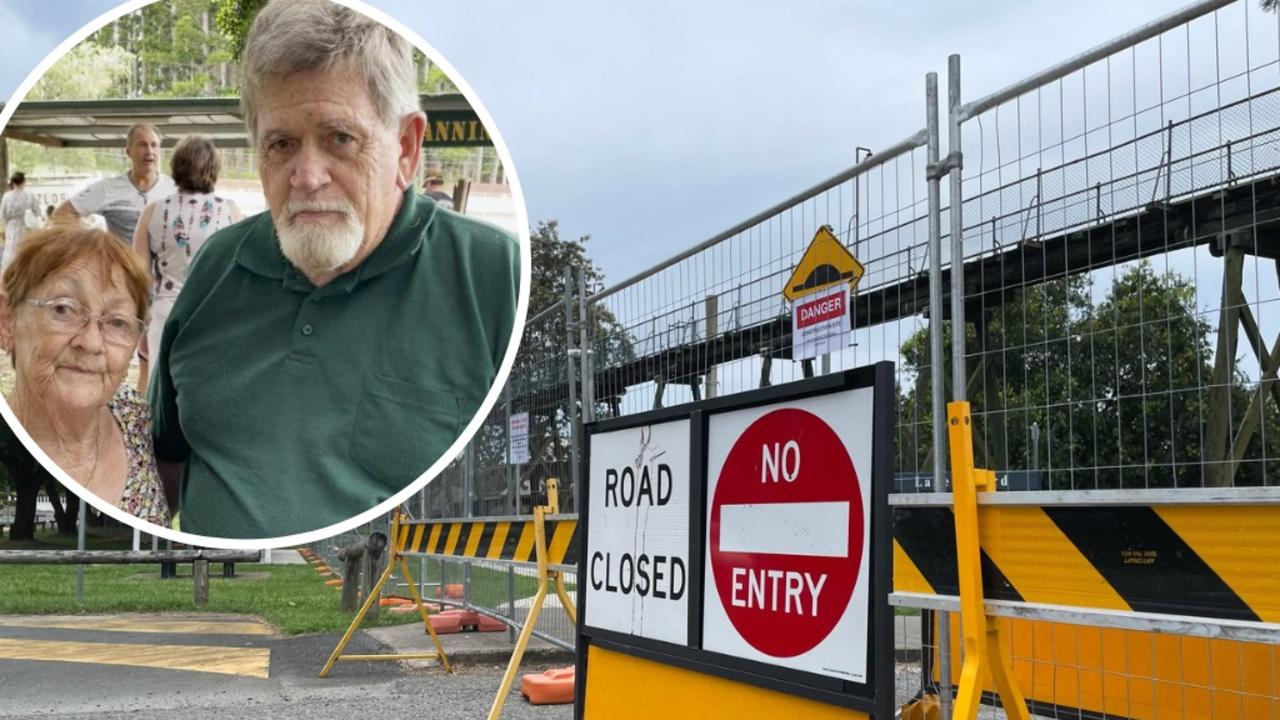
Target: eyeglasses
(65, 315)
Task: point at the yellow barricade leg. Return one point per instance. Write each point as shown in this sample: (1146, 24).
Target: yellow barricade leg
(398, 539)
(983, 648)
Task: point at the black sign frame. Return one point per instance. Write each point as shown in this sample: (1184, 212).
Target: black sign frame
(874, 697)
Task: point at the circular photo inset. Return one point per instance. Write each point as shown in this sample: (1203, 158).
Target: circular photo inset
(264, 269)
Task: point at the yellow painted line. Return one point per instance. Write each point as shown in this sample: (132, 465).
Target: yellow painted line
(560, 542)
(473, 540)
(246, 662)
(434, 540)
(524, 548)
(1041, 563)
(1238, 542)
(455, 530)
(418, 531)
(140, 624)
(499, 540)
(404, 535)
(906, 576)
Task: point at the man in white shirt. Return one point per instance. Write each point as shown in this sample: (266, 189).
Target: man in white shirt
(121, 199)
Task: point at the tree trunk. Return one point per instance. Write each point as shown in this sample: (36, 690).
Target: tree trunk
(53, 490)
(67, 526)
(24, 514)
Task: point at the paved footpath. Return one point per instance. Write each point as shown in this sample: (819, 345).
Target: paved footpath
(197, 666)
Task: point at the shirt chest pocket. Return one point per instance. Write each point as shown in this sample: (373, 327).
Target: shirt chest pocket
(402, 428)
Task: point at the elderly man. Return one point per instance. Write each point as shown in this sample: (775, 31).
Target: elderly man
(323, 355)
(120, 199)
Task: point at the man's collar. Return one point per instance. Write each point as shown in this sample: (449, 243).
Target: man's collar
(260, 251)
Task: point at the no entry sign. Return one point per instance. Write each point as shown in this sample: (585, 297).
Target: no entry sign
(788, 490)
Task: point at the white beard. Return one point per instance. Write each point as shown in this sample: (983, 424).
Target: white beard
(318, 248)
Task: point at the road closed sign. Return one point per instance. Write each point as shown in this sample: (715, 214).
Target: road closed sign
(637, 564)
(788, 533)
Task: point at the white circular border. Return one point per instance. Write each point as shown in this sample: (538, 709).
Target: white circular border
(513, 346)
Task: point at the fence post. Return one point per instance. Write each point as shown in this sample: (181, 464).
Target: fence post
(200, 579)
(936, 360)
(571, 377)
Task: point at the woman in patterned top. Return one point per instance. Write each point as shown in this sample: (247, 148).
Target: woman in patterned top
(74, 308)
(172, 230)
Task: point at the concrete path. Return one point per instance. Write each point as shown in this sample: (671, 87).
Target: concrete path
(205, 666)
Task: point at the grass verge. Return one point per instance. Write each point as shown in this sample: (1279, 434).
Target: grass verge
(293, 598)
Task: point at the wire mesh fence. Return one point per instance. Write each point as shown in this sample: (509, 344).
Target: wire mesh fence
(1118, 243)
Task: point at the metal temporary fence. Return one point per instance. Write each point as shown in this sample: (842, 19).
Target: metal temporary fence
(1108, 236)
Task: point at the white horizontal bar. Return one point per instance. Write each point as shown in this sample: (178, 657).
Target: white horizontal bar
(1147, 622)
(1158, 496)
(819, 529)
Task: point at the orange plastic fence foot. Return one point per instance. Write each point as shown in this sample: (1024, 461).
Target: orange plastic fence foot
(553, 687)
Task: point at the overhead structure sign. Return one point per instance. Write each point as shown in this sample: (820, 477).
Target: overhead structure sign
(637, 569)
(788, 529)
(825, 262)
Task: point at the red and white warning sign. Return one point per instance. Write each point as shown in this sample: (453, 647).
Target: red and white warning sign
(820, 322)
(788, 533)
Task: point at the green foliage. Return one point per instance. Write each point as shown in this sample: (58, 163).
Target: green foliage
(87, 72)
(1117, 389)
(234, 18)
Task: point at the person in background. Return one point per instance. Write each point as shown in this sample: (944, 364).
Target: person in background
(171, 230)
(121, 199)
(19, 209)
(435, 191)
(73, 309)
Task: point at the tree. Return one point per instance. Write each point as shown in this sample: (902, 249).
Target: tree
(1115, 389)
(88, 72)
(234, 19)
(26, 476)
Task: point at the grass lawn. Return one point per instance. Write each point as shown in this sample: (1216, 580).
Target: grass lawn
(293, 598)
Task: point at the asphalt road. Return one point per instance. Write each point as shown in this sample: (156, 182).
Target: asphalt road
(86, 684)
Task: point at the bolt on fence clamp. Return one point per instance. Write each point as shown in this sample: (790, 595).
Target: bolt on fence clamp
(953, 161)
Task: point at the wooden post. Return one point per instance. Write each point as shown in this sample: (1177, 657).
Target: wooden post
(1218, 471)
(374, 548)
(352, 557)
(200, 572)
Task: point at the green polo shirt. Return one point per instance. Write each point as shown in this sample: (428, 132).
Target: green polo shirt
(296, 407)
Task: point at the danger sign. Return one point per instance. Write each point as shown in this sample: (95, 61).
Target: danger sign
(788, 490)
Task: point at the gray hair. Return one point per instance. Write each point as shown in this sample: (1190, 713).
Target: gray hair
(128, 138)
(296, 36)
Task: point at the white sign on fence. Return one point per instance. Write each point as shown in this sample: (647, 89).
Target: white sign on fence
(638, 525)
(820, 322)
(518, 438)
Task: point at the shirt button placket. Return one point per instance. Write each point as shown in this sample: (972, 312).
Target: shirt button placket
(307, 329)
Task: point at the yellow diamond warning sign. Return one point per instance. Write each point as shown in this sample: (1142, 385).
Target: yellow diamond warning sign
(826, 262)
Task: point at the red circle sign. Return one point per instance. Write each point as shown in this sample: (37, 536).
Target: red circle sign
(786, 532)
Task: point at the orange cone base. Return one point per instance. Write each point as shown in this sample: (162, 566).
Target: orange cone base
(553, 687)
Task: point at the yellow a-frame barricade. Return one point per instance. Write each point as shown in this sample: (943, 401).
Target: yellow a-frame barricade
(397, 558)
(983, 642)
(545, 576)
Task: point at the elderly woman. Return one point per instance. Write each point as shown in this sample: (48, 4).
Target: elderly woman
(172, 230)
(74, 307)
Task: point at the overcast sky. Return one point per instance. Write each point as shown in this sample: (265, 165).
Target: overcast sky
(654, 125)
